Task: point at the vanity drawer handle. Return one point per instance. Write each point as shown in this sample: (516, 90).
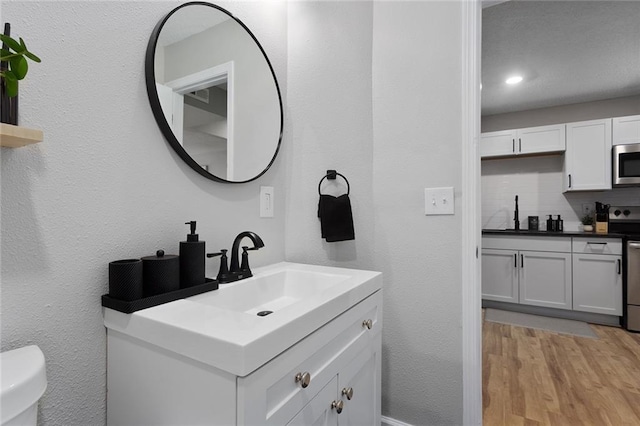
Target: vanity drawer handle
(304, 379)
(367, 323)
(348, 392)
(338, 405)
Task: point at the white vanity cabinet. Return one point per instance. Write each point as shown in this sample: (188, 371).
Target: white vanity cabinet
(587, 161)
(531, 140)
(527, 270)
(313, 379)
(308, 383)
(597, 275)
(626, 130)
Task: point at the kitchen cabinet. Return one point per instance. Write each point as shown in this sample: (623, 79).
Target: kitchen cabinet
(597, 276)
(545, 279)
(530, 271)
(626, 130)
(308, 383)
(500, 275)
(587, 161)
(527, 141)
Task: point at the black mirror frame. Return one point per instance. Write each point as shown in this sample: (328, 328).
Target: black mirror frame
(154, 100)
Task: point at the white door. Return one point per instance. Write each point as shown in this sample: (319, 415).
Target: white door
(500, 275)
(597, 283)
(172, 105)
(357, 384)
(319, 411)
(497, 144)
(545, 279)
(541, 139)
(588, 156)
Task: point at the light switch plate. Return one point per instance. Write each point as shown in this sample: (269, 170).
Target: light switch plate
(439, 201)
(266, 201)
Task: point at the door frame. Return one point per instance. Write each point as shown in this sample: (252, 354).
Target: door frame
(471, 227)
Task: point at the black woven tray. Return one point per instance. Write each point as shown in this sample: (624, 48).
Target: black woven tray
(147, 302)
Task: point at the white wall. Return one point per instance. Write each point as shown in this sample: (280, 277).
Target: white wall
(417, 132)
(538, 181)
(374, 92)
(105, 185)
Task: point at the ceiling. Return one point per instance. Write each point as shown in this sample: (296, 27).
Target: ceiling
(567, 51)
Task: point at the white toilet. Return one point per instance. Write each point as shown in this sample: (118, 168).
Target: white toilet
(24, 380)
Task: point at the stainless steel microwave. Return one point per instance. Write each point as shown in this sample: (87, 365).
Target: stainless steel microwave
(626, 165)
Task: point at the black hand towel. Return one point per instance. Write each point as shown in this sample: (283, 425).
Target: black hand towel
(336, 218)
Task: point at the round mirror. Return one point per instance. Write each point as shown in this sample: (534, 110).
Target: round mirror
(213, 93)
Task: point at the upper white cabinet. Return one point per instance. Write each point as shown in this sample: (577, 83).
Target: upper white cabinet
(532, 140)
(626, 130)
(587, 161)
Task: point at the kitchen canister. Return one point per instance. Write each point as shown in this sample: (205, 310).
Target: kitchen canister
(161, 273)
(125, 279)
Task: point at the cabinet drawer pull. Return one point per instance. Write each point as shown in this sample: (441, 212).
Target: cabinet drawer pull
(519, 145)
(515, 260)
(619, 267)
(303, 378)
(348, 392)
(338, 405)
(569, 181)
(591, 243)
(522, 261)
(513, 145)
(367, 323)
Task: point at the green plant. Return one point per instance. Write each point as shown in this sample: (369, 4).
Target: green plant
(14, 55)
(587, 219)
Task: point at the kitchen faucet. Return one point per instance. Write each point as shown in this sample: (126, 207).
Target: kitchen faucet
(516, 219)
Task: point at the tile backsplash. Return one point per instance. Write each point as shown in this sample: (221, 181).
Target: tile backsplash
(538, 183)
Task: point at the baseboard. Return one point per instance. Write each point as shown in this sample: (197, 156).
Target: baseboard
(592, 318)
(388, 421)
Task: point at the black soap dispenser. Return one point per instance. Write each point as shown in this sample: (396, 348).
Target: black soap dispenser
(192, 255)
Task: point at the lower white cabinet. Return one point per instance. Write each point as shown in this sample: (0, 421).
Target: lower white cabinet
(527, 270)
(527, 277)
(545, 279)
(597, 276)
(579, 273)
(500, 275)
(331, 377)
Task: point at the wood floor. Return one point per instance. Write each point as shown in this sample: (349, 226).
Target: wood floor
(533, 377)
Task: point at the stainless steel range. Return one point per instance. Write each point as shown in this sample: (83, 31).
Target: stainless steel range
(626, 220)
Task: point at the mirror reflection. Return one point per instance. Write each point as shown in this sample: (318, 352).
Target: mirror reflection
(216, 92)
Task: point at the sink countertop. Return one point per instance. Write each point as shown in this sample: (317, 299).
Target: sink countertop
(540, 233)
(235, 341)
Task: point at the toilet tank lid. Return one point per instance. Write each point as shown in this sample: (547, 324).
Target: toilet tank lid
(23, 380)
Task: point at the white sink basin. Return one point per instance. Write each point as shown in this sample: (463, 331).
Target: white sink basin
(221, 328)
(271, 291)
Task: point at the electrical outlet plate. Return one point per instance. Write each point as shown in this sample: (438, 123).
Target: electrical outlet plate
(266, 201)
(438, 201)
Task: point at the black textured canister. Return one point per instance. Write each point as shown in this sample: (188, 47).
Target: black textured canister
(125, 279)
(192, 256)
(161, 273)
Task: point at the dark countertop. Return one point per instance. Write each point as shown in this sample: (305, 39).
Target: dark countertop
(525, 232)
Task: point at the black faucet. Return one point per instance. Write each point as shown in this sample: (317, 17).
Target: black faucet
(241, 271)
(516, 219)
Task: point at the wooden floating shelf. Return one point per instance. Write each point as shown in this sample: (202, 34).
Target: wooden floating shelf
(15, 136)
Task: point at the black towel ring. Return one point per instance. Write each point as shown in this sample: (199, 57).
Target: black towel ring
(331, 175)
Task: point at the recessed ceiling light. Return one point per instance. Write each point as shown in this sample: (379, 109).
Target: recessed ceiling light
(514, 80)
